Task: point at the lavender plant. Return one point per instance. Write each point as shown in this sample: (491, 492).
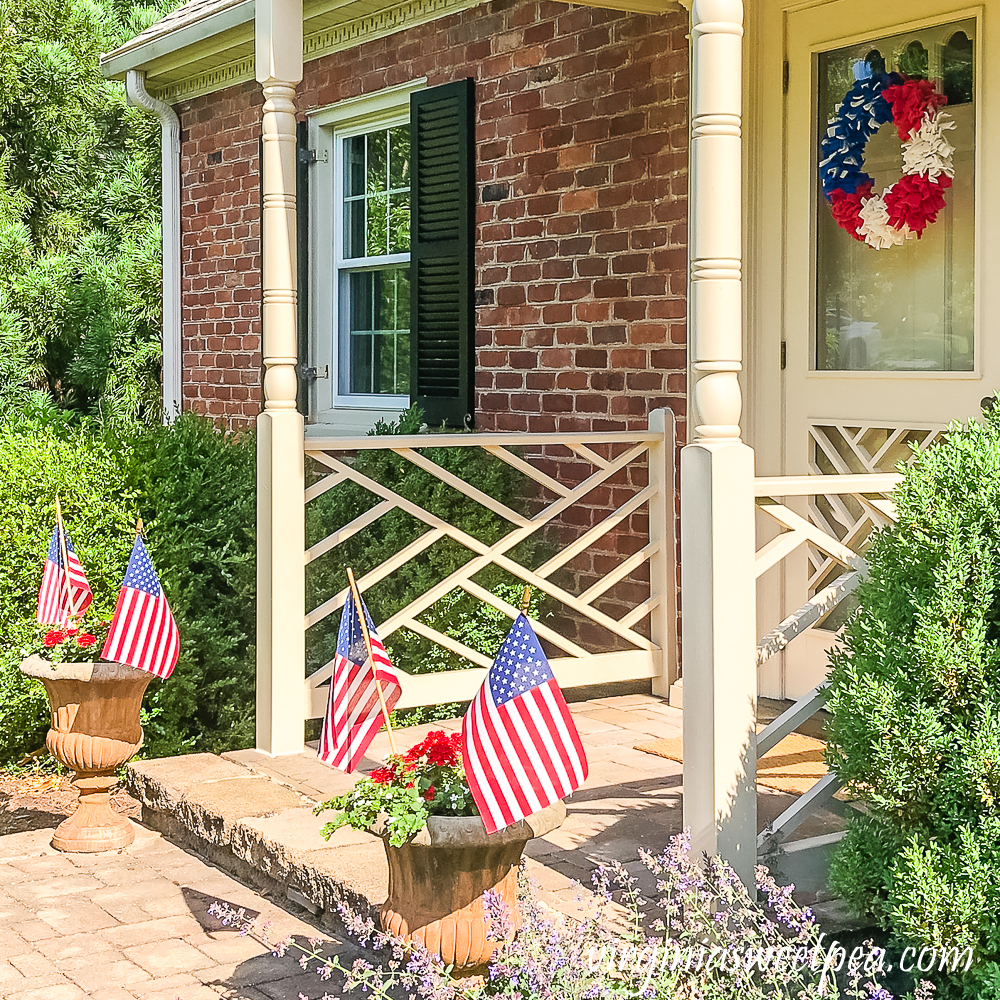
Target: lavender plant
(702, 936)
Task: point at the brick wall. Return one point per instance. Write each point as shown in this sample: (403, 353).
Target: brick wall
(581, 222)
(220, 254)
(581, 142)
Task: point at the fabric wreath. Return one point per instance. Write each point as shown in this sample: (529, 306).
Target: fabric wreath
(912, 203)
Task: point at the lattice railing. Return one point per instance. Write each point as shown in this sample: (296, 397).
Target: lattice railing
(866, 447)
(843, 568)
(602, 463)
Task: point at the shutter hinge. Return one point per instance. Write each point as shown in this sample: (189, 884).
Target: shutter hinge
(308, 373)
(784, 77)
(784, 355)
(311, 156)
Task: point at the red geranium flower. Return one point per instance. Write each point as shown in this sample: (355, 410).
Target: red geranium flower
(383, 775)
(86, 640)
(72, 630)
(430, 793)
(54, 637)
(440, 749)
(441, 755)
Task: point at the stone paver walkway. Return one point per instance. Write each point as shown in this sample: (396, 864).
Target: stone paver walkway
(135, 924)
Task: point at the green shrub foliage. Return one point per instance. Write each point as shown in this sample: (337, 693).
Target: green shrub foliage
(915, 703)
(79, 215)
(195, 489)
(88, 472)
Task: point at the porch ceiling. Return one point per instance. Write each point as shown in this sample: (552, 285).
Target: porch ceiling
(206, 45)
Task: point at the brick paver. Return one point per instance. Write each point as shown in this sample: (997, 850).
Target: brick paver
(134, 926)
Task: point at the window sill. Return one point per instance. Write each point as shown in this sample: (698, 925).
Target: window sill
(349, 421)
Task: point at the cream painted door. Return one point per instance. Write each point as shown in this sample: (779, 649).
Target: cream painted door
(882, 347)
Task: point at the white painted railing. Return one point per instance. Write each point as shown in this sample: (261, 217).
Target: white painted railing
(835, 533)
(607, 455)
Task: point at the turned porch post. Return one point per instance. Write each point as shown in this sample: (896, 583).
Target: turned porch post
(717, 469)
(280, 443)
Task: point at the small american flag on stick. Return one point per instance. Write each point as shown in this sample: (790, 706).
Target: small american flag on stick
(354, 711)
(143, 633)
(520, 746)
(64, 590)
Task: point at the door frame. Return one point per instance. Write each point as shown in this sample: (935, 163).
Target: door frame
(766, 246)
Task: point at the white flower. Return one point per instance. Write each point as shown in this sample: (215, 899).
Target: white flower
(875, 226)
(927, 152)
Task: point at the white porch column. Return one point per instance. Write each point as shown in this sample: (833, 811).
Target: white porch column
(717, 469)
(280, 481)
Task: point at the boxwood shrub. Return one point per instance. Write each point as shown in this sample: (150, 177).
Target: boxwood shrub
(915, 703)
(194, 486)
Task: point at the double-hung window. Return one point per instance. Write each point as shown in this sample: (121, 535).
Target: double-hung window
(372, 267)
(389, 195)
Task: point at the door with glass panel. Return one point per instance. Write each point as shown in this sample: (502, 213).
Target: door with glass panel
(888, 294)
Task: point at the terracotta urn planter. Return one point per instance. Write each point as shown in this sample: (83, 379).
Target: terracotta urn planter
(438, 878)
(95, 729)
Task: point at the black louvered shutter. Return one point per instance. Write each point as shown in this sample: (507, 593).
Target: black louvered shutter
(302, 162)
(442, 345)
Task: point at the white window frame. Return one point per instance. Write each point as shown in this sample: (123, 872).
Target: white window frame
(328, 128)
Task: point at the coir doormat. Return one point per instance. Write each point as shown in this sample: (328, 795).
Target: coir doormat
(794, 765)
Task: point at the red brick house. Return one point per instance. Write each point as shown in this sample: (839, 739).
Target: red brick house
(548, 217)
(577, 213)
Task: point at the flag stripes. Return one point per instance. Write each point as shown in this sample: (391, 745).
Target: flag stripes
(53, 608)
(354, 713)
(143, 633)
(522, 751)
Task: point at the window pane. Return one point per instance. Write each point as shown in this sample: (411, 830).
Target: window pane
(908, 307)
(378, 162)
(399, 223)
(354, 165)
(378, 313)
(399, 157)
(354, 227)
(378, 205)
(377, 193)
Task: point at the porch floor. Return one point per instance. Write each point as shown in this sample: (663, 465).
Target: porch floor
(252, 813)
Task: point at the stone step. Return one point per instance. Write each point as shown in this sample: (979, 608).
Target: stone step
(260, 829)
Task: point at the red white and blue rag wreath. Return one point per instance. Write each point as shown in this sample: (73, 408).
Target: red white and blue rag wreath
(912, 203)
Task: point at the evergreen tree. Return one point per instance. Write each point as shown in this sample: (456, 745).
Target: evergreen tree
(79, 216)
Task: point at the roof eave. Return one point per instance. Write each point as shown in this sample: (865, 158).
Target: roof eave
(115, 64)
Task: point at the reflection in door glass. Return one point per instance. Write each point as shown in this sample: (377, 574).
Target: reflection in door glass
(908, 307)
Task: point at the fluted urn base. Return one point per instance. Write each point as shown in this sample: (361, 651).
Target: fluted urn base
(437, 881)
(95, 729)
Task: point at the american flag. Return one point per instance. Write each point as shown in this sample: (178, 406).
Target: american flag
(521, 748)
(143, 633)
(53, 608)
(353, 712)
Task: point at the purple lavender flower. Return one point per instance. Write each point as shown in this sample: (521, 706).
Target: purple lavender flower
(498, 927)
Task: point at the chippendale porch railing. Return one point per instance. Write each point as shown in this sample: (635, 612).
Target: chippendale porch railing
(617, 476)
(821, 544)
